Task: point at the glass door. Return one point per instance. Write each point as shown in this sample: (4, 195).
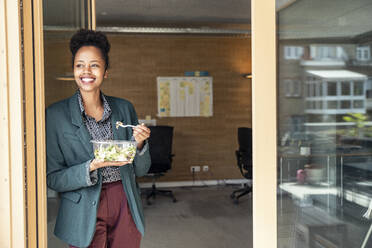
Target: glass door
(61, 20)
(324, 116)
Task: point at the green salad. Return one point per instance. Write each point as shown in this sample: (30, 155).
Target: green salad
(114, 152)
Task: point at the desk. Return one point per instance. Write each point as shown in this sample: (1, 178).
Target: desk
(350, 180)
(340, 161)
(289, 184)
(303, 192)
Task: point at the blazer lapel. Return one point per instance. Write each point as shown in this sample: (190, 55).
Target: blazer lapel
(82, 132)
(121, 133)
(85, 138)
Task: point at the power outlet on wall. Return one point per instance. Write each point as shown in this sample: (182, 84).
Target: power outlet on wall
(205, 168)
(195, 169)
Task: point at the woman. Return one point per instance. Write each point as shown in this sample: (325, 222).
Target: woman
(100, 201)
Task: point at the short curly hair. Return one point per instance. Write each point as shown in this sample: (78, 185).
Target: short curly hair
(86, 37)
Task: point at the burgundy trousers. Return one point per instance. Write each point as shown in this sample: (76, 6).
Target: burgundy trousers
(115, 227)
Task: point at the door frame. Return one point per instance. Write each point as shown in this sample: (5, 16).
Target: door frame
(264, 119)
(34, 114)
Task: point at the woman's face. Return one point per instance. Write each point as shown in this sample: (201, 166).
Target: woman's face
(89, 68)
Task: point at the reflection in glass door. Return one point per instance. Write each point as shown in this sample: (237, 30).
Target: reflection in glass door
(61, 20)
(324, 124)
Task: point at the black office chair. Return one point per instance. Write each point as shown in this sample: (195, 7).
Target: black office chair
(160, 145)
(244, 161)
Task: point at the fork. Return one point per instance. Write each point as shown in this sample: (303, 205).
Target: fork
(120, 124)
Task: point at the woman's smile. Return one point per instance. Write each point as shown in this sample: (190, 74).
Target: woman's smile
(87, 79)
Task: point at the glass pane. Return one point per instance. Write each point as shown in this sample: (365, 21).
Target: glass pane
(65, 15)
(61, 20)
(308, 91)
(325, 175)
(312, 90)
(317, 92)
(320, 89)
(345, 104)
(332, 104)
(288, 87)
(369, 94)
(345, 88)
(358, 104)
(296, 88)
(332, 88)
(358, 88)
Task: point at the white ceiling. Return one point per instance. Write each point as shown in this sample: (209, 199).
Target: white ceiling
(115, 13)
(298, 19)
(170, 12)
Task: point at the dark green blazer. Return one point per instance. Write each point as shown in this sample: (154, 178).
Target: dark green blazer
(69, 151)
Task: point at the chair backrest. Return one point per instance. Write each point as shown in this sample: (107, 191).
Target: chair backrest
(245, 139)
(160, 145)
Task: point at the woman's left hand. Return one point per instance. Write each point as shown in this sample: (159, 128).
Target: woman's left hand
(140, 134)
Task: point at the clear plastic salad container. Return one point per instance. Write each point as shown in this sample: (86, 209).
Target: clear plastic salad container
(114, 150)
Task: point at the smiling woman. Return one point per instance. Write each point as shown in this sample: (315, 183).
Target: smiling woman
(71, 167)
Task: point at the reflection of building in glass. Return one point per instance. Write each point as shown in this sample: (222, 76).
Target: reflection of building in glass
(293, 52)
(363, 53)
(335, 92)
(292, 88)
(327, 52)
(325, 121)
(322, 81)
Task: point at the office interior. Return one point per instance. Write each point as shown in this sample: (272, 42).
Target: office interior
(160, 45)
(323, 75)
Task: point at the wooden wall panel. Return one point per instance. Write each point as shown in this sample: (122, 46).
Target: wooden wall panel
(136, 61)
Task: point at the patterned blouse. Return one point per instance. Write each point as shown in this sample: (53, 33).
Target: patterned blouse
(101, 130)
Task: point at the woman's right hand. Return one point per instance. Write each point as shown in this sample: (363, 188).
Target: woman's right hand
(96, 164)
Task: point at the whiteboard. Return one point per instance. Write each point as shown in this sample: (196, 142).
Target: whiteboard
(185, 96)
